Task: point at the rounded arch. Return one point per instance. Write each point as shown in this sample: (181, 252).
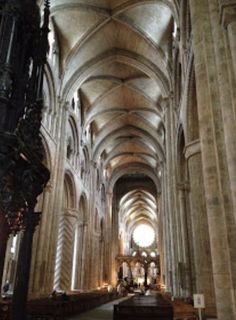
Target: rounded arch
(83, 207)
(69, 190)
(182, 165)
(49, 87)
(47, 157)
(124, 131)
(134, 168)
(123, 56)
(49, 97)
(192, 112)
(189, 113)
(72, 139)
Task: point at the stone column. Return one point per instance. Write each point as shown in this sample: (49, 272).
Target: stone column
(54, 269)
(166, 238)
(114, 242)
(226, 96)
(78, 257)
(39, 257)
(228, 21)
(203, 277)
(85, 252)
(170, 197)
(23, 268)
(90, 273)
(108, 238)
(184, 265)
(3, 243)
(162, 236)
(67, 250)
(101, 266)
(215, 171)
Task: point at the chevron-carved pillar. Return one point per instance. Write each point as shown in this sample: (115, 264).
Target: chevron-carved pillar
(64, 261)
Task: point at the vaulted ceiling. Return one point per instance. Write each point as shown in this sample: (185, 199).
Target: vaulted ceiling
(117, 53)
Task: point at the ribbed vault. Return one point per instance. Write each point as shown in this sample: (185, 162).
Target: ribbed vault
(115, 55)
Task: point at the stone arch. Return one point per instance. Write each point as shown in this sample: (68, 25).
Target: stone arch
(181, 155)
(80, 272)
(83, 207)
(184, 267)
(192, 113)
(84, 163)
(47, 160)
(66, 230)
(72, 142)
(98, 179)
(82, 74)
(49, 97)
(122, 170)
(79, 247)
(69, 198)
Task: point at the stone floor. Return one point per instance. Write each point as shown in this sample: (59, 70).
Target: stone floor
(104, 312)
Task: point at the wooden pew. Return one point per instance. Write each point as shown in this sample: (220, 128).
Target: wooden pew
(144, 307)
(57, 308)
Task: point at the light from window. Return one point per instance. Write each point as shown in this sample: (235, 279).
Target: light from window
(143, 235)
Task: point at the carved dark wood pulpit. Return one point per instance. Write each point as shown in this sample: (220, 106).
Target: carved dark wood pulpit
(23, 49)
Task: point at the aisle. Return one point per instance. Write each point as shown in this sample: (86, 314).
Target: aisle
(104, 312)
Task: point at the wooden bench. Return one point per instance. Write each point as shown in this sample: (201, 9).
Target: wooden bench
(144, 307)
(57, 309)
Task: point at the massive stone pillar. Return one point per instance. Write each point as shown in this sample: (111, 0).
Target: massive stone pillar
(171, 208)
(217, 160)
(108, 238)
(162, 236)
(228, 20)
(84, 273)
(184, 263)
(78, 256)
(101, 264)
(166, 234)
(55, 249)
(90, 274)
(41, 248)
(3, 243)
(23, 268)
(114, 241)
(203, 276)
(67, 234)
(226, 95)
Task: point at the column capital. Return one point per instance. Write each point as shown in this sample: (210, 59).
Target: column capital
(192, 148)
(227, 12)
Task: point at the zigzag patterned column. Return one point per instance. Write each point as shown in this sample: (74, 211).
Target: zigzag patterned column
(64, 256)
(57, 274)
